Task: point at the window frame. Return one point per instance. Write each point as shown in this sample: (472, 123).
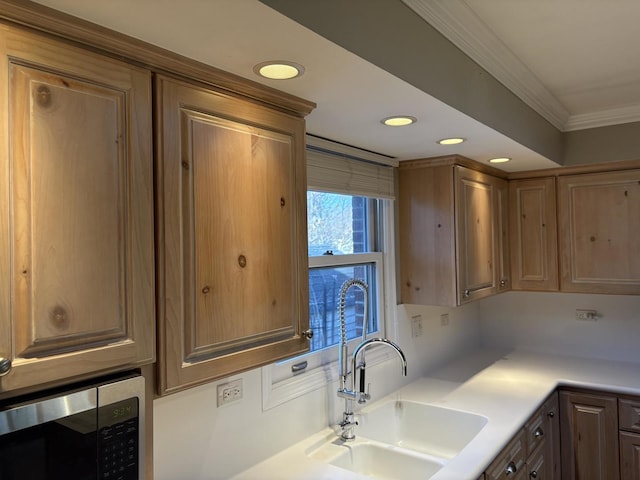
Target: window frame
(276, 391)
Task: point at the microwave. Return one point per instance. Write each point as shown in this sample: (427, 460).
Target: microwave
(90, 432)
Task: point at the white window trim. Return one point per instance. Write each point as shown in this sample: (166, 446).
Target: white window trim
(277, 393)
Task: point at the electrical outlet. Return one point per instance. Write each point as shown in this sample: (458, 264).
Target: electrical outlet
(444, 319)
(416, 326)
(229, 392)
(587, 315)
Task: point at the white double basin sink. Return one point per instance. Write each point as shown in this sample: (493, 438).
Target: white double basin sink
(401, 440)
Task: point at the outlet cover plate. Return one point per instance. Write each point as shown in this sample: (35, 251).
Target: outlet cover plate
(229, 392)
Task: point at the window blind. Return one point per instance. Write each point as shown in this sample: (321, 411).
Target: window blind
(340, 169)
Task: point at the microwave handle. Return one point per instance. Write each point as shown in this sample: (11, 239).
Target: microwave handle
(27, 415)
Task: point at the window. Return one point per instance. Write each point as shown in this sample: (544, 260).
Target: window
(343, 245)
(350, 220)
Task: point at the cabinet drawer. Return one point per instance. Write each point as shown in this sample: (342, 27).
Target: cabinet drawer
(629, 458)
(509, 464)
(629, 414)
(535, 430)
(536, 465)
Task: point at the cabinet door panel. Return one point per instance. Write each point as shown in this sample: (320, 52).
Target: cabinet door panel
(589, 437)
(68, 211)
(241, 246)
(233, 278)
(600, 241)
(480, 225)
(533, 234)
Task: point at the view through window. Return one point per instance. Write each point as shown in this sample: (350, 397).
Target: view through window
(342, 231)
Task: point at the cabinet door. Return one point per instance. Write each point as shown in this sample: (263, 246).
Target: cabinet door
(629, 456)
(589, 436)
(478, 233)
(233, 271)
(533, 234)
(76, 208)
(600, 232)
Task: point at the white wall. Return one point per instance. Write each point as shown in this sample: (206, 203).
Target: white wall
(196, 440)
(545, 322)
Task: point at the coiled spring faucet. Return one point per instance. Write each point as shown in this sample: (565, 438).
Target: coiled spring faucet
(348, 422)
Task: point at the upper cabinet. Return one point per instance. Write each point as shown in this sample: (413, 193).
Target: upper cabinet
(532, 220)
(453, 232)
(599, 218)
(76, 212)
(232, 271)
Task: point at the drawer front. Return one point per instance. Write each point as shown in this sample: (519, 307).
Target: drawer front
(535, 431)
(509, 464)
(536, 466)
(629, 456)
(629, 414)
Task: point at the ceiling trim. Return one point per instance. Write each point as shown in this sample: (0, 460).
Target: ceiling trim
(460, 25)
(604, 118)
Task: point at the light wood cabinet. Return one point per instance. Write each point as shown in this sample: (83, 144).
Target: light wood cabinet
(589, 436)
(453, 233)
(233, 282)
(598, 215)
(532, 220)
(76, 212)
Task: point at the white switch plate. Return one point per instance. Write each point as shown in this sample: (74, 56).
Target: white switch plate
(229, 392)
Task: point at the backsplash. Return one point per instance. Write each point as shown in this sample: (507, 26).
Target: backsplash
(546, 322)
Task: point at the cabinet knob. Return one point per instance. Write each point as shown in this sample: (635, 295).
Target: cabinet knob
(308, 334)
(467, 292)
(533, 474)
(538, 433)
(5, 366)
(551, 414)
(511, 468)
(503, 282)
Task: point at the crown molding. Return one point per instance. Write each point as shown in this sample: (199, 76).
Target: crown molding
(461, 26)
(604, 118)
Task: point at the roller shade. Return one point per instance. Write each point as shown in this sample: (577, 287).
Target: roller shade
(342, 172)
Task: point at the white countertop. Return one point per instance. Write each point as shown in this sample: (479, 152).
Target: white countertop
(506, 388)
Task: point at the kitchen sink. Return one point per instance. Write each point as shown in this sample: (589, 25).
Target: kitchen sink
(375, 460)
(437, 431)
(400, 440)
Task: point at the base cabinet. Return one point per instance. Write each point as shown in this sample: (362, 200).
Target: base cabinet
(534, 453)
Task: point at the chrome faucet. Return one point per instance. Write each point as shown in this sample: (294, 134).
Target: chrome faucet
(348, 421)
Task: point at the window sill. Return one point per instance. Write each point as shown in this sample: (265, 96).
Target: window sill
(278, 393)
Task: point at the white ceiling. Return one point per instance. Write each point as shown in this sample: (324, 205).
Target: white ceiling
(576, 62)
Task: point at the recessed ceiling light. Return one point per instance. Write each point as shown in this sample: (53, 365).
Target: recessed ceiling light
(278, 70)
(399, 121)
(451, 141)
(500, 160)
